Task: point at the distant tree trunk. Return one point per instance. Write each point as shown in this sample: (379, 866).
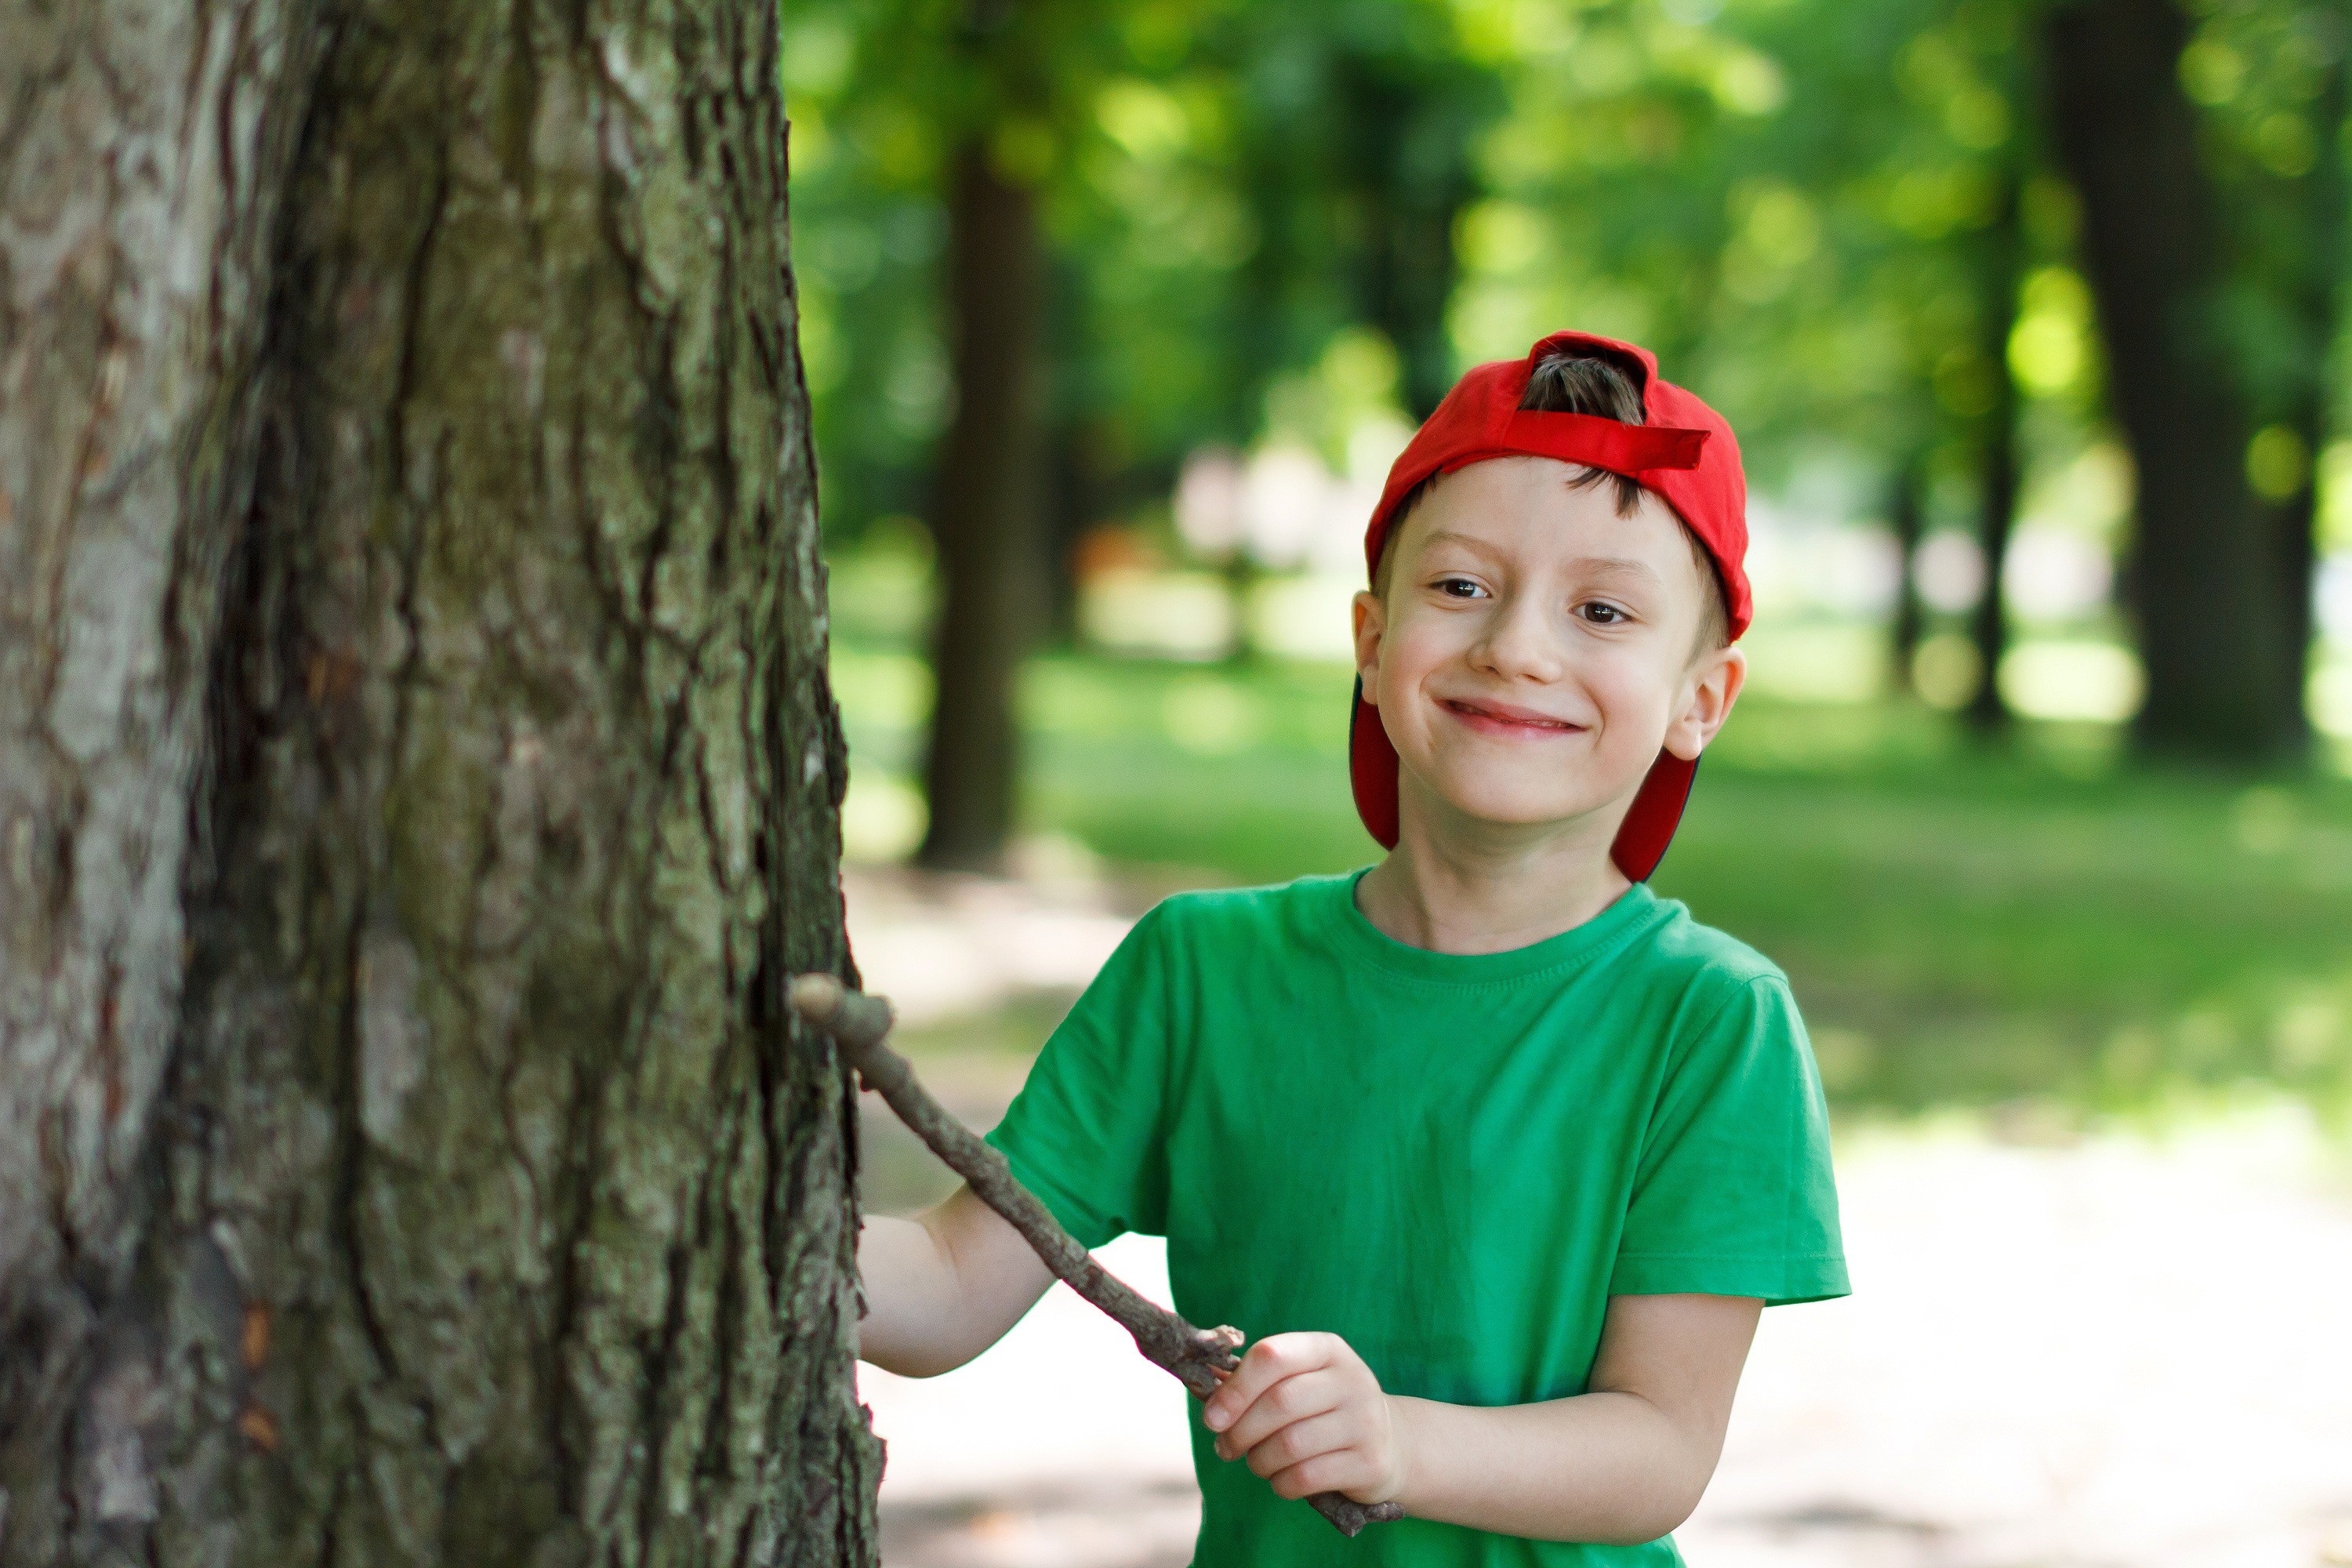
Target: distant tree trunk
(1996, 466)
(1907, 519)
(2203, 572)
(1411, 155)
(2294, 522)
(2318, 258)
(1412, 273)
(1076, 488)
(419, 778)
(987, 514)
(1242, 576)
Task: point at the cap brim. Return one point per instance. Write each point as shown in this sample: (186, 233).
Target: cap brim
(1657, 811)
(1373, 769)
(1641, 839)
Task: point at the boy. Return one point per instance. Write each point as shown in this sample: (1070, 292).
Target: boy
(1497, 1154)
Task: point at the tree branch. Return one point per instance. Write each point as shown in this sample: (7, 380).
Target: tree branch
(859, 1025)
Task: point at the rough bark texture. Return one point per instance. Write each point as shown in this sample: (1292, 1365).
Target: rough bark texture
(2202, 575)
(987, 515)
(431, 1172)
(142, 149)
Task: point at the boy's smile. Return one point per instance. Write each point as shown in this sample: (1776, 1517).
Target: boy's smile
(1507, 719)
(1534, 650)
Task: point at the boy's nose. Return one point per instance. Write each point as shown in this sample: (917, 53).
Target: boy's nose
(1520, 643)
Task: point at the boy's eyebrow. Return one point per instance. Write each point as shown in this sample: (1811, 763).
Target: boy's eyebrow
(1615, 566)
(1452, 536)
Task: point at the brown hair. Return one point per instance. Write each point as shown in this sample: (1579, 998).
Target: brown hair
(1608, 385)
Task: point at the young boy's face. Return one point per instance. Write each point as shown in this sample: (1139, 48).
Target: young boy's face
(1534, 650)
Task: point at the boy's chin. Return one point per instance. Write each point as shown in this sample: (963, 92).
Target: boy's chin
(1517, 812)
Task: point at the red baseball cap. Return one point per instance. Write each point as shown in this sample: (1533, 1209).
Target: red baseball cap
(1684, 454)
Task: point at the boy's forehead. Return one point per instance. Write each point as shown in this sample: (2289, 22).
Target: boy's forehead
(1533, 507)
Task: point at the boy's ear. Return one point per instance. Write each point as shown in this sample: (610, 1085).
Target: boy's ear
(1371, 618)
(1714, 684)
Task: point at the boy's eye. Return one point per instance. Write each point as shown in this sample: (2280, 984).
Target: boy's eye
(1458, 588)
(1601, 614)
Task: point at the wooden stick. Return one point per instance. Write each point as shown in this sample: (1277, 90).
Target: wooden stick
(859, 1025)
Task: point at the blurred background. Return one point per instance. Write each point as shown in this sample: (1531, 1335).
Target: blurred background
(2030, 317)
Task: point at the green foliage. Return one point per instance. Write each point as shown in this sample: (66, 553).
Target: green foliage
(1792, 200)
(2271, 80)
(1228, 188)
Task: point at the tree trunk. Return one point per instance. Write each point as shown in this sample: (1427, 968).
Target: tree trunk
(1907, 519)
(1997, 475)
(1410, 157)
(2203, 576)
(142, 157)
(422, 779)
(986, 516)
(1075, 500)
(2294, 524)
(2317, 258)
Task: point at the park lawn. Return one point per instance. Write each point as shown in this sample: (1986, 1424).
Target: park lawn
(1964, 926)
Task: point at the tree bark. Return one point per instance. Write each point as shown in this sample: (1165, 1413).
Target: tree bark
(2203, 573)
(429, 1171)
(142, 152)
(987, 514)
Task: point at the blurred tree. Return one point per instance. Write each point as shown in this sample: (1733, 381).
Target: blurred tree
(2315, 293)
(420, 776)
(1839, 267)
(1999, 268)
(988, 485)
(1410, 118)
(1222, 190)
(1907, 520)
(948, 380)
(866, 81)
(987, 516)
(1354, 125)
(2271, 80)
(2204, 571)
(1358, 122)
(2319, 253)
(1836, 223)
(1742, 192)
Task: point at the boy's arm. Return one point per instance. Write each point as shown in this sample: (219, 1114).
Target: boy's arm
(942, 1286)
(1623, 1463)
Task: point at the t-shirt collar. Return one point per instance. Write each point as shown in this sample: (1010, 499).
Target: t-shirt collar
(1360, 940)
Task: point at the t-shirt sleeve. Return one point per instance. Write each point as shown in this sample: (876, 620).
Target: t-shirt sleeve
(1733, 1195)
(1086, 1133)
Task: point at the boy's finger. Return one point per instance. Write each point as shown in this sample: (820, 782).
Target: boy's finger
(1335, 1471)
(1292, 1399)
(1266, 1363)
(1300, 1441)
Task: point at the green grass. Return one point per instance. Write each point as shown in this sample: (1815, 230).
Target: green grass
(1964, 927)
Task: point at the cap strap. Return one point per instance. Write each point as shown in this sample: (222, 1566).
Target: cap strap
(1600, 443)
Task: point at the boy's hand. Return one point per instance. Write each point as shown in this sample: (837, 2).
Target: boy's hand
(1312, 1418)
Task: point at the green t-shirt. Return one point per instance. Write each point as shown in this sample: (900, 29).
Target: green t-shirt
(1450, 1162)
